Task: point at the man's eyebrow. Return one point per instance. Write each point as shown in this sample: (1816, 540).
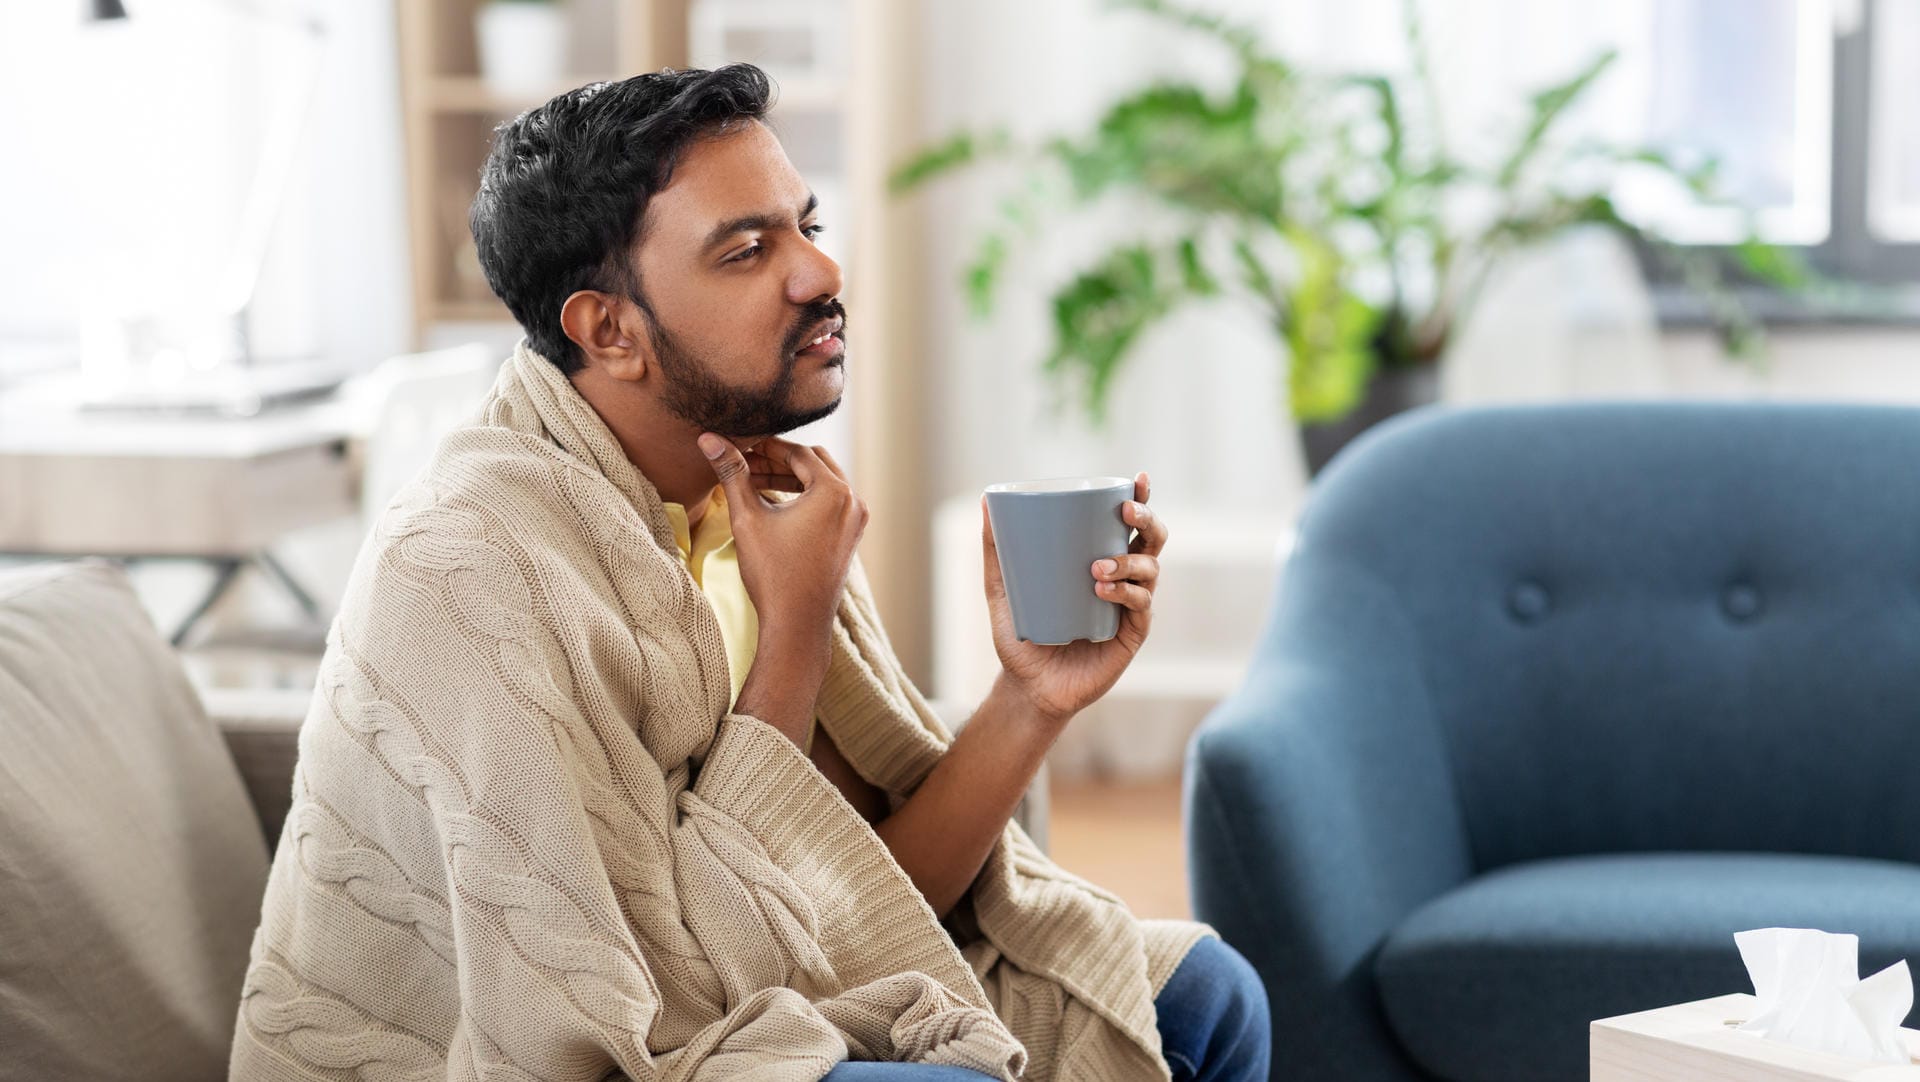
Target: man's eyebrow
(749, 222)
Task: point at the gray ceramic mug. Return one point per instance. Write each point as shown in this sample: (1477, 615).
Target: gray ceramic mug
(1049, 533)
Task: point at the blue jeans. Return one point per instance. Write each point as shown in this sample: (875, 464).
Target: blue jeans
(1213, 1026)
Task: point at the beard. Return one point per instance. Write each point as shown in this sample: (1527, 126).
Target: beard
(696, 395)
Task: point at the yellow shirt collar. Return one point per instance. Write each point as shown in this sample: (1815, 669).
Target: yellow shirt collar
(716, 531)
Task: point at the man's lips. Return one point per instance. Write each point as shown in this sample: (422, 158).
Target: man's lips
(830, 346)
(825, 339)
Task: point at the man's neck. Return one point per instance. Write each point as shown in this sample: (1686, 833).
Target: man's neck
(660, 445)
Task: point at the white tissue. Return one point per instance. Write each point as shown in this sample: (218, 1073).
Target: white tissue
(1811, 995)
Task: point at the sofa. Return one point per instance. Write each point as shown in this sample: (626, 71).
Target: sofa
(135, 830)
(1551, 702)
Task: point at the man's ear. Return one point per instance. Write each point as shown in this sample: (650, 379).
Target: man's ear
(611, 331)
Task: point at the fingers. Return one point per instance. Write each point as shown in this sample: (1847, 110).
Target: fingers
(764, 463)
(831, 464)
(782, 482)
(1128, 580)
(730, 466)
(1138, 567)
(1152, 536)
(760, 463)
(774, 471)
(771, 464)
(990, 552)
(1137, 598)
(782, 456)
(765, 473)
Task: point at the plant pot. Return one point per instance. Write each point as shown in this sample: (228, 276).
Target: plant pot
(1391, 391)
(523, 46)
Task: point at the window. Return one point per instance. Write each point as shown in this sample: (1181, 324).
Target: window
(1806, 105)
(1893, 135)
(1749, 83)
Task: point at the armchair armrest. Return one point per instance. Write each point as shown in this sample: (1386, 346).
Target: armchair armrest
(262, 730)
(1320, 811)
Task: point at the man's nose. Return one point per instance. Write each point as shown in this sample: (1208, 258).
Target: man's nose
(817, 277)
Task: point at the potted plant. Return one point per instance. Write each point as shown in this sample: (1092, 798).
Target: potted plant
(1327, 204)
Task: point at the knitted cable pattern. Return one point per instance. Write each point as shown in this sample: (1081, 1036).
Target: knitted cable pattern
(529, 841)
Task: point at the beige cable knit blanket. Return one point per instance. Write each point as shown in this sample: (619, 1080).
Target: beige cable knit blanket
(529, 841)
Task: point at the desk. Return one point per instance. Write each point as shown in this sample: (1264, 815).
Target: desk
(138, 486)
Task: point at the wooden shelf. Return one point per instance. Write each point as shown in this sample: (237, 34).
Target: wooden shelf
(469, 311)
(450, 111)
(471, 94)
(810, 96)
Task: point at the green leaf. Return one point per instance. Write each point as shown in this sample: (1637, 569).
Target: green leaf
(1548, 105)
(1099, 315)
(1555, 213)
(1389, 103)
(1176, 143)
(1771, 263)
(1193, 273)
(1255, 275)
(955, 152)
(1329, 333)
(1701, 180)
(983, 273)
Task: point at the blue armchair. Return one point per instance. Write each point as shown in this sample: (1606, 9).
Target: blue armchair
(1552, 702)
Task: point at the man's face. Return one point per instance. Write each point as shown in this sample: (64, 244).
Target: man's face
(739, 293)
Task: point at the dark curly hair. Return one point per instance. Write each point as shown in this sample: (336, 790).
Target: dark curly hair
(565, 185)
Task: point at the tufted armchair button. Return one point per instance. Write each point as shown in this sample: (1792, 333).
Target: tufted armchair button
(1528, 602)
(1741, 602)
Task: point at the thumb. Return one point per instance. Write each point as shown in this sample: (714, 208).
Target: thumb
(730, 466)
(996, 588)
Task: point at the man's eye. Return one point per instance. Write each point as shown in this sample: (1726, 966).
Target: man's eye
(813, 231)
(748, 254)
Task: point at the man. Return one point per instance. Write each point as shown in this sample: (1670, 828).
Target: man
(610, 766)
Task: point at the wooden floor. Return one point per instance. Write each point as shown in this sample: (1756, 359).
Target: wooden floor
(1124, 836)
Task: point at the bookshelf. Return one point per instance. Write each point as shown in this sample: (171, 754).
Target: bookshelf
(450, 111)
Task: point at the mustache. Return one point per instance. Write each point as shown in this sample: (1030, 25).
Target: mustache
(810, 317)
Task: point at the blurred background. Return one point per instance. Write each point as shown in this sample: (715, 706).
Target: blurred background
(1211, 240)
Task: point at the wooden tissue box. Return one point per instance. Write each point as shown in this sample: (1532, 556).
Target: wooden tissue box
(1696, 1042)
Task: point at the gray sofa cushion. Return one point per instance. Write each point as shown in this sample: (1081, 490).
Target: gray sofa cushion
(1496, 980)
(131, 863)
